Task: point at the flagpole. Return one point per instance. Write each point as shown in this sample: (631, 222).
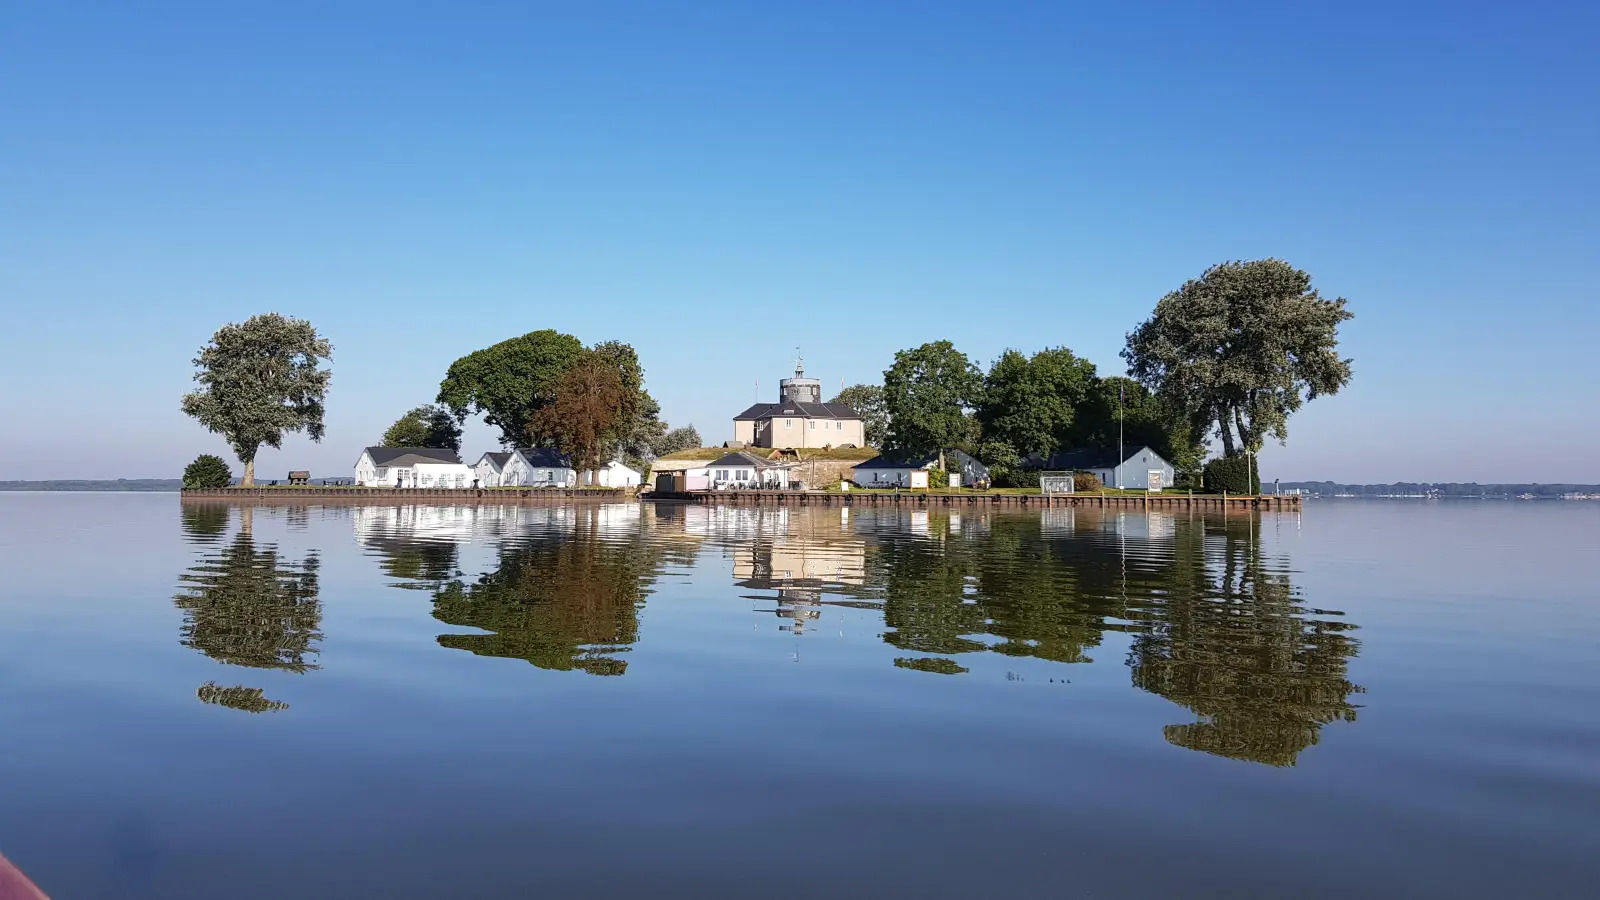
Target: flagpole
(1120, 459)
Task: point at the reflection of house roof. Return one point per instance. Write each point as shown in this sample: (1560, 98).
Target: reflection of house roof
(741, 458)
(410, 456)
(498, 460)
(1094, 458)
(799, 410)
(544, 457)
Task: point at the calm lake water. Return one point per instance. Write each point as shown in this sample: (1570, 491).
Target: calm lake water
(1367, 699)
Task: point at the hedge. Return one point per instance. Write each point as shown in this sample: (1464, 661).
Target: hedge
(1232, 475)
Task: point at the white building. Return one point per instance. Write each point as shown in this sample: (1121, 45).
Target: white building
(412, 467)
(613, 474)
(490, 467)
(538, 467)
(740, 470)
(799, 418)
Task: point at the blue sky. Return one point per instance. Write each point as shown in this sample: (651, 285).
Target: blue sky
(717, 183)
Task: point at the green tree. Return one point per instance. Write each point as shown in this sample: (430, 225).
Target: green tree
(928, 393)
(510, 381)
(684, 438)
(207, 473)
(1240, 349)
(1031, 403)
(259, 380)
(638, 424)
(867, 399)
(425, 426)
(581, 416)
(1145, 420)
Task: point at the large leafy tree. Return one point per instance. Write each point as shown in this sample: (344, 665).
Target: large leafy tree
(867, 399)
(927, 393)
(638, 423)
(1031, 403)
(581, 416)
(1242, 348)
(259, 380)
(425, 426)
(510, 381)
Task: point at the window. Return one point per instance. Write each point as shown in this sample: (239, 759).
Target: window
(788, 423)
(383, 472)
(840, 424)
(812, 423)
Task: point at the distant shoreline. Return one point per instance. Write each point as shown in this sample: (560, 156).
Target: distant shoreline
(102, 485)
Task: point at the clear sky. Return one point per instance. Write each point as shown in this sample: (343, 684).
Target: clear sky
(718, 183)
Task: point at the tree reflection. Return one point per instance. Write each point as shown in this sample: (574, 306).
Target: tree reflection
(1215, 628)
(246, 605)
(204, 523)
(560, 601)
(1230, 641)
(248, 699)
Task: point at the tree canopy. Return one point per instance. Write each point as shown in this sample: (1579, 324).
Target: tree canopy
(1031, 403)
(1240, 349)
(259, 380)
(583, 412)
(425, 426)
(509, 382)
(684, 438)
(867, 399)
(927, 393)
(1145, 419)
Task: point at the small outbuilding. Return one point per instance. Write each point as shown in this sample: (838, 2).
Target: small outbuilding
(613, 474)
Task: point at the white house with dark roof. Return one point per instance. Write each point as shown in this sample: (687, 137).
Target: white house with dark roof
(747, 470)
(1139, 468)
(892, 470)
(538, 467)
(412, 467)
(799, 418)
(490, 467)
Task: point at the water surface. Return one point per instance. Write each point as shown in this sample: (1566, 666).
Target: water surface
(1366, 699)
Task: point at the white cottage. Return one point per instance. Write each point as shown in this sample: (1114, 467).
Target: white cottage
(490, 468)
(741, 470)
(614, 474)
(538, 467)
(412, 467)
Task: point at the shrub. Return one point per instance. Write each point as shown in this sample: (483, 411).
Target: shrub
(206, 473)
(1233, 475)
(1085, 481)
(1015, 477)
(938, 478)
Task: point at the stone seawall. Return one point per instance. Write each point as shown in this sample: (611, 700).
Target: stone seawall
(1037, 501)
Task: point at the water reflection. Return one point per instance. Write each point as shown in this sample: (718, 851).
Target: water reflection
(1193, 607)
(248, 699)
(244, 603)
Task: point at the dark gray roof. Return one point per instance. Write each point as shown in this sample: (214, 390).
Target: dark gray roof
(545, 457)
(799, 410)
(900, 461)
(410, 456)
(499, 459)
(1095, 458)
(741, 458)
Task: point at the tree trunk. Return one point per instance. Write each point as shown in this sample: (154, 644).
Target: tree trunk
(1226, 429)
(1244, 433)
(249, 479)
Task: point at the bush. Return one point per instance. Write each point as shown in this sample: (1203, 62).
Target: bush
(1010, 477)
(206, 473)
(1085, 481)
(1232, 475)
(938, 479)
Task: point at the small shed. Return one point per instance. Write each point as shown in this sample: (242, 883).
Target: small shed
(300, 477)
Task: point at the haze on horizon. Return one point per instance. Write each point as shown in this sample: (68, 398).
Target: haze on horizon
(717, 184)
